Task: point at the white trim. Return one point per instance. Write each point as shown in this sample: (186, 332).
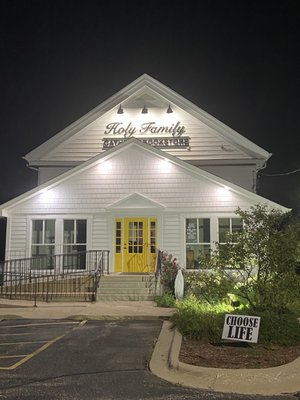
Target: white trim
(149, 203)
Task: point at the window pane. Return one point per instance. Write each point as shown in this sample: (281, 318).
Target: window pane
(204, 230)
(191, 230)
(237, 224)
(37, 231)
(153, 237)
(81, 231)
(45, 258)
(50, 231)
(224, 228)
(75, 257)
(69, 231)
(194, 255)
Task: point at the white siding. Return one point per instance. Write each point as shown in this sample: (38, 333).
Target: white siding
(100, 233)
(241, 175)
(47, 173)
(172, 236)
(134, 170)
(17, 239)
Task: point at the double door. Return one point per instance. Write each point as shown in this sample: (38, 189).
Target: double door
(135, 245)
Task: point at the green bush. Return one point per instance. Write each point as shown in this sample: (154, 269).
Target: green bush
(169, 269)
(261, 259)
(166, 300)
(282, 329)
(198, 320)
(202, 321)
(208, 286)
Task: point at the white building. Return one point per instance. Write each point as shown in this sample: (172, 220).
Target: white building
(146, 169)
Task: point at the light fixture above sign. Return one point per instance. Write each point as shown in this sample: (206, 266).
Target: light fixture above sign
(120, 110)
(145, 110)
(169, 110)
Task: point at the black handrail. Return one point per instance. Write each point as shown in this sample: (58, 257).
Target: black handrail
(47, 278)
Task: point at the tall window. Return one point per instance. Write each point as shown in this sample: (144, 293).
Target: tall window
(118, 233)
(197, 239)
(153, 237)
(75, 235)
(43, 243)
(229, 225)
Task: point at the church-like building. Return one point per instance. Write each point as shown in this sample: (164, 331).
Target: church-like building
(145, 170)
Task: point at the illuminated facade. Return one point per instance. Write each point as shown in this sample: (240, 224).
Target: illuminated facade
(146, 169)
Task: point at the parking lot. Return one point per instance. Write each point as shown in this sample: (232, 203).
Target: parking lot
(21, 340)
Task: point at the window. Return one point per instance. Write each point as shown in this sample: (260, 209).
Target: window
(118, 242)
(75, 243)
(43, 243)
(229, 225)
(197, 239)
(153, 236)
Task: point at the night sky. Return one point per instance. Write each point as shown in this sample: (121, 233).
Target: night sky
(238, 60)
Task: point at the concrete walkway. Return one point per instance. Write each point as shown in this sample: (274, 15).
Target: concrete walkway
(165, 359)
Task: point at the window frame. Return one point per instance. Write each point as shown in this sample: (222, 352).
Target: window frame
(42, 261)
(230, 227)
(78, 258)
(198, 243)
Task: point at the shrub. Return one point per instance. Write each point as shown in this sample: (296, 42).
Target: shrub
(282, 329)
(166, 300)
(261, 259)
(202, 321)
(208, 286)
(198, 320)
(169, 268)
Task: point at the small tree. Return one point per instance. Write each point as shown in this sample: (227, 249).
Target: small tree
(169, 269)
(261, 259)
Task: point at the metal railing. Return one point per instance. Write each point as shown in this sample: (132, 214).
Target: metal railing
(72, 275)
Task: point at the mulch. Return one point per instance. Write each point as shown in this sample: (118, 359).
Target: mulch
(236, 354)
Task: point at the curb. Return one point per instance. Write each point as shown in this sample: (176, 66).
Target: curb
(165, 363)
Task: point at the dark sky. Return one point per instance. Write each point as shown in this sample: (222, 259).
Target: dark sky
(237, 60)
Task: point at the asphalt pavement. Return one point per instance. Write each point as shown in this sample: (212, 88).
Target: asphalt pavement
(96, 355)
(90, 360)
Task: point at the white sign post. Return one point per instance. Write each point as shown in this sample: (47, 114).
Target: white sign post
(243, 328)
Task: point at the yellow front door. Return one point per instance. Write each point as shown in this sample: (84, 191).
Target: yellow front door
(135, 245)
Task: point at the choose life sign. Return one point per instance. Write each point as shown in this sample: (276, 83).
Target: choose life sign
(243, 328)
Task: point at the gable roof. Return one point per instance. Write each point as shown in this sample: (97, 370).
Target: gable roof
(133, 142)
(146, 85)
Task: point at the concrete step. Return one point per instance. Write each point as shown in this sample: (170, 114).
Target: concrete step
(126, 287)
(116, 297)
(128, 278)
(129, 285)
(127, 291)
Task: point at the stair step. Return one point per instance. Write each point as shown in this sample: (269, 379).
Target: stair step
(102, 297)
(126, 287)
(126, 291)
